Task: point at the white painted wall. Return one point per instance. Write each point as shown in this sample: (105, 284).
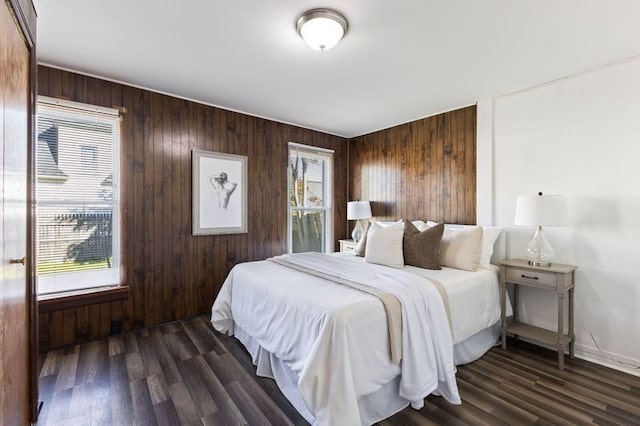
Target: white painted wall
(578, 136)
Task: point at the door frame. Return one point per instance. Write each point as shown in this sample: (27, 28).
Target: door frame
(26, 18)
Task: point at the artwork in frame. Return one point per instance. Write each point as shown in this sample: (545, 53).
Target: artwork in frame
(219, 193)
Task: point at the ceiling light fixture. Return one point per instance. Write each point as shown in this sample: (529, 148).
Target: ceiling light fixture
(322, 29)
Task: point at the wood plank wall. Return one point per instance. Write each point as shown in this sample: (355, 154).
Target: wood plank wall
(423, 170)
(172, 274)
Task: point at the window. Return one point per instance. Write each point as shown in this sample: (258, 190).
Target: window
(310, 199)
(77, 196)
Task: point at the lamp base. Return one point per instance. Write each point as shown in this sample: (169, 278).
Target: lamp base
(539, 263)
(539, 251)
(357, 231)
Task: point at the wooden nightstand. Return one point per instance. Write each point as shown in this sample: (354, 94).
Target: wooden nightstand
(557, 277)
(348, 245)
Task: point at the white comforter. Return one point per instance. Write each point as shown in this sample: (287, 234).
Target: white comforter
(474, 297)
(335, 339)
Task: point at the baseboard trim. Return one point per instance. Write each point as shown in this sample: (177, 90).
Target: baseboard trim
(608, 359)
(600, 357)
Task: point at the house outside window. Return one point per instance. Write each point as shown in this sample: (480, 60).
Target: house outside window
(310, 199)
(77, 196)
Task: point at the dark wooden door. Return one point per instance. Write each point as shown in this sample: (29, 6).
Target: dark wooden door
(14, 292)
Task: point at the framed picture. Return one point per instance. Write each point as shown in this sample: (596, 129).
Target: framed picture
(219, 193)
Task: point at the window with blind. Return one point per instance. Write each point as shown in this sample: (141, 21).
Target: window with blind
(77, 196)
(310, 199)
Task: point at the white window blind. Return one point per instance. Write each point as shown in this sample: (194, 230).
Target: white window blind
(310, 199)
(77, 196)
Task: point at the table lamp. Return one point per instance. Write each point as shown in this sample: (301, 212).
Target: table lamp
(358, 210)
(541, 210)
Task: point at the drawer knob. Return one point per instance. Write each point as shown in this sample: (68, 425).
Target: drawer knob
(528, 277)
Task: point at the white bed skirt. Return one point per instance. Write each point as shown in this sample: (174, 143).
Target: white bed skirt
(374, 407)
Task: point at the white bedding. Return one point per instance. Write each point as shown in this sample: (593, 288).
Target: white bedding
(474, 297)
(335, 339)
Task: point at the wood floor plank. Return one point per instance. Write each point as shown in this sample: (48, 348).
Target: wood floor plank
(490, 386)
(130, 343)
(150, 361)
(80, 403)
(184, 405)
(116, 345)
(503, 409)
(433, 412)
(93, 362)
(265, 391)
(143, 412)
(247, 406)
(158, 389)
(207, 329)
(226, 407)
(66, 377)
(51, 363)
(121, 403)
(179, 345)
(46, 386)
(200, 335)
(187, 374)
(101, 412)
(135, 367)
(596, 409)
(468, 413)
(166, 414)
(196, 387)
(59, 406)
(166, 361)
(229, 371)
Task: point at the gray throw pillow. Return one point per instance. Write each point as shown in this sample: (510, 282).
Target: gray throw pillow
(422, 249)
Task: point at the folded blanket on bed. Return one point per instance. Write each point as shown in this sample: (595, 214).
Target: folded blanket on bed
(321, 266)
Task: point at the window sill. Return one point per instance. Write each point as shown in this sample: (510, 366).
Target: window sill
(75, 299)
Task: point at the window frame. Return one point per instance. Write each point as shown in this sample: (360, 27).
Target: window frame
(328, 194)
(91, 286)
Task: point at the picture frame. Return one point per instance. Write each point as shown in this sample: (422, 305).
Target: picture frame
(219, 198)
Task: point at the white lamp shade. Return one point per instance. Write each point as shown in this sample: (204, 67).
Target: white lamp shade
(321, 33)
(542, 210)
(357, 210)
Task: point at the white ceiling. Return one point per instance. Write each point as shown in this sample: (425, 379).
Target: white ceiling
(400, 60)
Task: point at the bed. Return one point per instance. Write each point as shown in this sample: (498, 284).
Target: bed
(329, 346)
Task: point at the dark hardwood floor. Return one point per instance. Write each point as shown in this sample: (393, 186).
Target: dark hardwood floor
(184, 373)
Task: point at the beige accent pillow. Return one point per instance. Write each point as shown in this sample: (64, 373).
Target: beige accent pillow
(490, 235)
(422, 248)
(461, 248)
(384, 245)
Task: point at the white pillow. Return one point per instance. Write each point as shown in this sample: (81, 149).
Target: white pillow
(489, 236)
(385, 223)
(384, 245)
(461, 248)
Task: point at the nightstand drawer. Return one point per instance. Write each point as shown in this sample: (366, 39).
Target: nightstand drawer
(528, 276)
(348, 245)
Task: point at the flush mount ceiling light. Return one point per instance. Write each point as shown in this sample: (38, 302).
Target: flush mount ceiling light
(322, 29)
